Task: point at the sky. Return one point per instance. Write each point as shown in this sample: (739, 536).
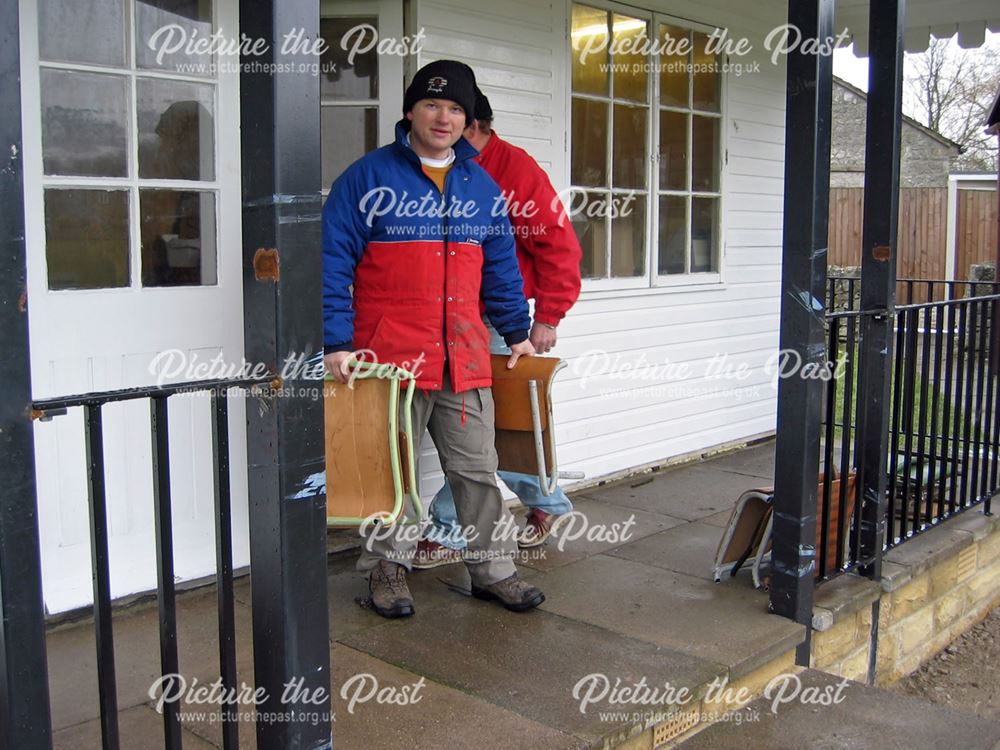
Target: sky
(855, 70)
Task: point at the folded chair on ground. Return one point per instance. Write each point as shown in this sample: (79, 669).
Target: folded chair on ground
(747, 536)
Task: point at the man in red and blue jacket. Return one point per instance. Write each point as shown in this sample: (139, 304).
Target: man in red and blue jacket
(421, 233)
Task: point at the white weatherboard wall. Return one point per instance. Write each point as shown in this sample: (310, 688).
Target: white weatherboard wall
(520, 52)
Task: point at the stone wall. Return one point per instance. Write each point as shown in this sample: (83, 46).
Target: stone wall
(933, 589)
(924, 160)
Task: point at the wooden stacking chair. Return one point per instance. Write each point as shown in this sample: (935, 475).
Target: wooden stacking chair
(747, 537)
(525, 434)
(369, 460)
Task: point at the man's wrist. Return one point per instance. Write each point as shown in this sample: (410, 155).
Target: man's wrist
(515, 338)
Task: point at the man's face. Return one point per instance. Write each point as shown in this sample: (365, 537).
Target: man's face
(436, 125)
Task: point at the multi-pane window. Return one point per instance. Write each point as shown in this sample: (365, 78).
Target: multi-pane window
(128, 145)
(349, 91)
(646, 121)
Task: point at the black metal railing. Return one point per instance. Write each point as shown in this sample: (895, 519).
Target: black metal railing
(92, 405)
(944, 426)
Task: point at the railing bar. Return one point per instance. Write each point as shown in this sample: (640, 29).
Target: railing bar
(845, 446)
(961, 301)
(925, 368)
(832, 348)
(935, 404)
(957, 420)
(949, 473)
(224, 567)
(97, 503)
(165, 593)
(129, 394)
(909, 392)
(895, 428)
(977, 437)
(995, 414)
(967, 413)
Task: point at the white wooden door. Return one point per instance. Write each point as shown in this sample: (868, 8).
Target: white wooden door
(132, 199)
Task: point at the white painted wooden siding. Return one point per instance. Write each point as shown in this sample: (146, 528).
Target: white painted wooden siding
(606, 425)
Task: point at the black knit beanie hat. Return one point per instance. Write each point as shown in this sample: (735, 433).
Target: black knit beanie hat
(443, 79)
(483, 109)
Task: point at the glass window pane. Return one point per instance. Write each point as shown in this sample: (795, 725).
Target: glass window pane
(591, 226)
(86, 238)
(674, 66)
(590, 143)
(628, 237)
(629, 154)
(90, 32)
(590, 50)
(673, 234)
(704, 220)
(705, 154)
(177, 232)
(673, 150)
(165, 29)
(348, 133)
(349, 73)
(176, 130)
(630, 67)
(84, 124)
(706, 75)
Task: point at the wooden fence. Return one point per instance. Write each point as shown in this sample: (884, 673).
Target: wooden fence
(975, 230)
(922, 231)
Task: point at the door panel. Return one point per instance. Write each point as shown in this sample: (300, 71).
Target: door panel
(132, 199)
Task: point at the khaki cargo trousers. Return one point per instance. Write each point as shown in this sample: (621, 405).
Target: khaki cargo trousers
(463, 434)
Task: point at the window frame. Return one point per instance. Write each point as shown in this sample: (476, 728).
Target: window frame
(131, 183)
(390, 72)
(652, 280)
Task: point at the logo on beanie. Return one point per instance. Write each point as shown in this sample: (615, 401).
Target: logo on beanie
(436, 84)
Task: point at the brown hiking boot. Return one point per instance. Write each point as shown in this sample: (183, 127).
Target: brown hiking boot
(387, 590)
(513, 593)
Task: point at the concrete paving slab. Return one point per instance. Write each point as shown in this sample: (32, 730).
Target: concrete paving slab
(72, 657)
(530, 663)
(597, 527)
(428, 715)
(138, 727)
(688, 549)
(757, 461)
(723, 622)
(345, 584)
(690, 492)
(866, 718)
(720, 519)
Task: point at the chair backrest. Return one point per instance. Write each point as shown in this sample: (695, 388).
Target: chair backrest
(367, 455)
(511, 396)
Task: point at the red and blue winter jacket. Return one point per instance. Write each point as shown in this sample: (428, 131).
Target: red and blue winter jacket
(419, 262)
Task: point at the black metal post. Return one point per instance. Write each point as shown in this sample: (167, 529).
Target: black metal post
(280, 131)
(878, 270)
(803, 282)
(24, 688)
